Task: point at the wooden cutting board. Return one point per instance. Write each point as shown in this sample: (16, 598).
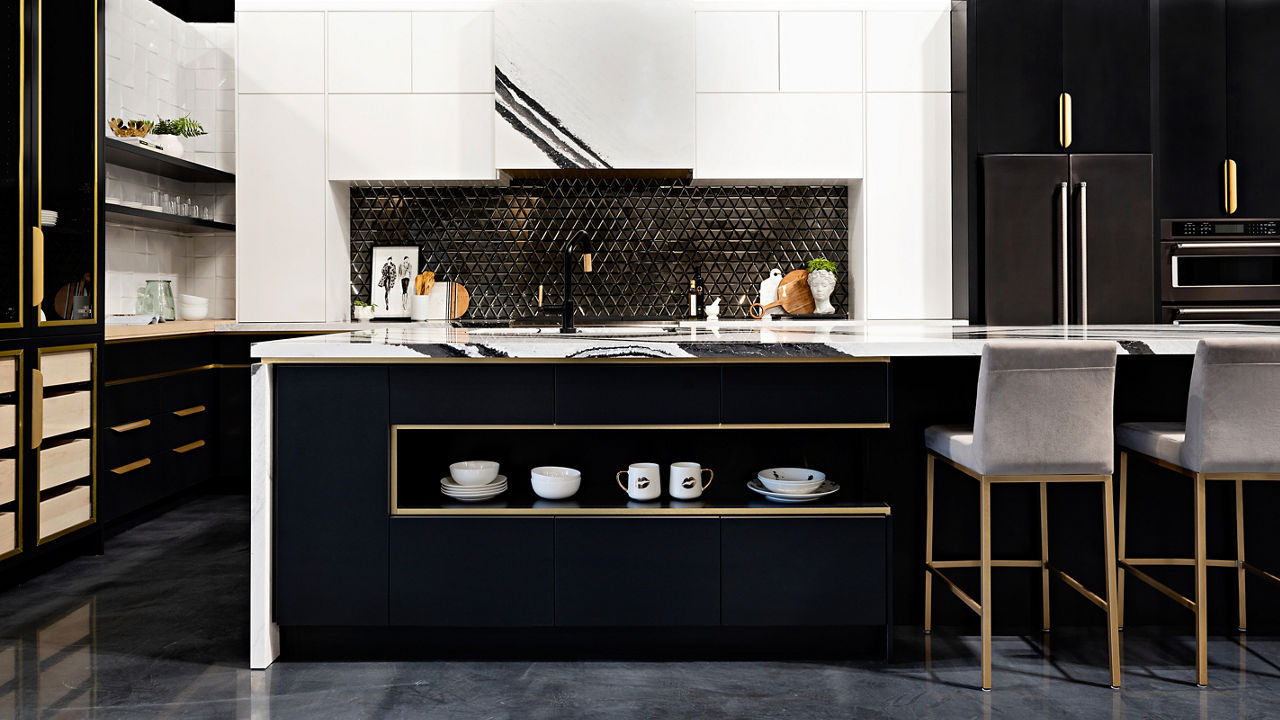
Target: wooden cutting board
(793, 296)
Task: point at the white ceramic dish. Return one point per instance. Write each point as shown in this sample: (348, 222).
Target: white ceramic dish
(193, 299)
(795, 481)
(194, 313)
(448, 483)
(555, 483)
(825, 489)
(474, 472)
(475, 493)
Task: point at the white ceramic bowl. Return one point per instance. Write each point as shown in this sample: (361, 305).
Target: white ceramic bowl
(194, 312)
(792, 481)
(555, 483)
(473, 472)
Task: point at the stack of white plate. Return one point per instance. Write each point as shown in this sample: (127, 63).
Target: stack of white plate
(792, 485)
(48, 218)
(473, 493)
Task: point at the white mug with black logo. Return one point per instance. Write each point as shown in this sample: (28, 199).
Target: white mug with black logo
(686, 480)
(643, 481)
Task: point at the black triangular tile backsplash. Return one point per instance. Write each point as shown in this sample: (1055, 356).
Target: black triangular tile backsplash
(650, 237)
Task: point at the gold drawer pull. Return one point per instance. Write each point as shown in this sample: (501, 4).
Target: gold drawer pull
(189, 447)
(189, 411)
(131, 426)
(131, 466)
(37, 408)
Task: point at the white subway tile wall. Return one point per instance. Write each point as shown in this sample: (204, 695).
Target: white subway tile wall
(201, 265)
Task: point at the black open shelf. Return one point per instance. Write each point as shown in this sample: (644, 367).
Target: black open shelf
(136, 157)
(138, 217)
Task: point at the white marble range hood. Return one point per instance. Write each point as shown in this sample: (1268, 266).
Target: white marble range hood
(604, 84)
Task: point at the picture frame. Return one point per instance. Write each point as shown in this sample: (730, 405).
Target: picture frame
(391, 272)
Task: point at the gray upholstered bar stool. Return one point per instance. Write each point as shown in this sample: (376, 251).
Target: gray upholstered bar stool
(1232, 433)
(1043, 416)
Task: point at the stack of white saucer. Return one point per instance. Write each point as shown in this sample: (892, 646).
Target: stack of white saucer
(473, 481)
(48, 218)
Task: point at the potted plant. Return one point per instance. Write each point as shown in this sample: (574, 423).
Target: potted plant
(822, 282)
(169, 133)
(361, 311)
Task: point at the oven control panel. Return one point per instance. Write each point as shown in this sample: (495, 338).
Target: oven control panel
(1212, 228)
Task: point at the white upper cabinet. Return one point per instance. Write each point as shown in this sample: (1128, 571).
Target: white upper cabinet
(779, 136)
(820, 51)
(411, 137)
(908, 186)
(280, 52)
(737, 51)
(370, 52)
(908, 52)
(453, 52)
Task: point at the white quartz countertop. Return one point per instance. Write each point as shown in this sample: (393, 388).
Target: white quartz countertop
(778, 340)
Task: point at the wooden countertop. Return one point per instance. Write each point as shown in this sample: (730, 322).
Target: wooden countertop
(169, 329)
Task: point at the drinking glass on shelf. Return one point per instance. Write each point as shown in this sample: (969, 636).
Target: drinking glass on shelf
(166, 203)
(195, 210)
(205, 214)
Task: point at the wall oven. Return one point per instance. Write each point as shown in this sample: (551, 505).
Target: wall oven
(1220, 271)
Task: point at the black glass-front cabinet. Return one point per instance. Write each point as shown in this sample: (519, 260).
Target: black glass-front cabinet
(50, 265)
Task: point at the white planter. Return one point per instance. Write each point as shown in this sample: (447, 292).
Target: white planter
(821, 284)
(361, 313)
(169, 144)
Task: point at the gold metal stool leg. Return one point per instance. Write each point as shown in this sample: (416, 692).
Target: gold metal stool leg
(1044, 555)
(928, 544)
(1240, 569)
(1124, 514)
(985, 570)
(1113, 615)
(1202, 614)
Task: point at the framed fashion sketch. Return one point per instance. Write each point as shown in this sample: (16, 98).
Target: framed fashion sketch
(392, 270)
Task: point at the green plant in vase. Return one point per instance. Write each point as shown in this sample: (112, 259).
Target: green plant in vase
(169, 133)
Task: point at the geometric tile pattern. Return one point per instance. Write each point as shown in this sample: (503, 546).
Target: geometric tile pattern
(650, 237)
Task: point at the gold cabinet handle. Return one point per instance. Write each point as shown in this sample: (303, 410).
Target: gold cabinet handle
(131, 466)
(189, 447)
(37, 408)
(1229, 186)
(189, 411)
(1064, 120)
(37, 269)
(130, 426)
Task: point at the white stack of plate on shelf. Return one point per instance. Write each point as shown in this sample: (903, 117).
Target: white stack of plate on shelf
(473, 481)
(792, 485)
(48, 218)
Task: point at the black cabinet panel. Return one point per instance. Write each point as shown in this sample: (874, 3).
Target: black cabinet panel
(637, 394)
(657, 572)
(1022, 237)
(472, 572)
(147, 357)
(1120, 239)
(332, 440)
(478, 394)
(1015, 74)
(1253, 104)
(851, 392)
(1106, 68)
(801, 571)
(1193, 101)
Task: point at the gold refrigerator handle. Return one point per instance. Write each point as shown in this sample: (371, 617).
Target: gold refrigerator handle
(37, 266)
(37, 408)
(1064, 120)
(1229, 186)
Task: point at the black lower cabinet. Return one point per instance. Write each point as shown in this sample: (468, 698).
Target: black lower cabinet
(472, 572)
(804, 571)
(657, 572)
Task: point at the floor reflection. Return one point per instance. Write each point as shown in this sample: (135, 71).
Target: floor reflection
(156, 628)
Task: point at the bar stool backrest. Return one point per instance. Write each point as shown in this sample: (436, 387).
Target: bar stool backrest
(1233, 409)
(1044, 408)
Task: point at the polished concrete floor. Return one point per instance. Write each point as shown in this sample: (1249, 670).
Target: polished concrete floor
(156, 628)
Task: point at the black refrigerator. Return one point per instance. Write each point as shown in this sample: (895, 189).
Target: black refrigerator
(1068, 238)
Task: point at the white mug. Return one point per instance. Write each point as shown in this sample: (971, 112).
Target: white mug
(643, 481)
(686, 480)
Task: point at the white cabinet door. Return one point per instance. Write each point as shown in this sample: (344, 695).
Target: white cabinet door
(820, 52)
(370, 52)
(908, 191)
(411, 137)
(453, 52)
(779, 136)
(280, 52)
(280, 210)
(736, 51)
(908, 51)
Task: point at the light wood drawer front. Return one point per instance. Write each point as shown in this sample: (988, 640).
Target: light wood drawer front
(64, 463)
(66, 413)
(8, 426)
(66, 510)
(8, 535)
(8, 480)
(8, 374)
(62, 368)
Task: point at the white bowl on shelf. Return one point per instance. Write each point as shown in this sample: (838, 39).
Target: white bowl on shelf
(791, 481)
(471, 473)
(555, 483)
(194, 312)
